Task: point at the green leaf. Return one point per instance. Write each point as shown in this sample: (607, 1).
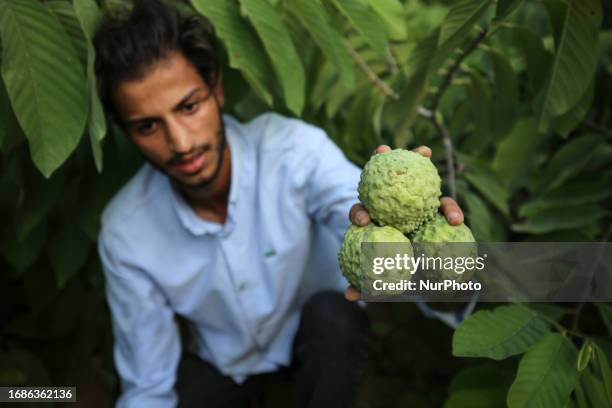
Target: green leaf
(44, 81)
(564, 218)
(584, 356)
(546, 375)
(315, 20)
(557, 11)
(498, 334)
(89, 15)
(582, 191)
(505, 8)
(487, 375)
(64, 12)
(606, 372)
(505, 94)
(460, 19)
(514, 158)
(537, 58)
(479, 98)
(569, 121)
(479, 218)
(591, 391)
(67, 252)
(551, 311)
(568, 161)
(412, 86)
(277, 42)
(244, 50)
(487, 182)
(365, 22)
(478, 398)
(392, 12)
(574, 62)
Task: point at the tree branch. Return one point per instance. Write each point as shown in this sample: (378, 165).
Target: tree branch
(372, 77)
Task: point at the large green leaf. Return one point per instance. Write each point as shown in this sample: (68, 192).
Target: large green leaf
(64, 12)
(505, 94)
(505, 8)
(277, 41)
(546, 375)
(575, 60)
(244, 50)
(569, 121)
(368, 24)
(514, 158)
(484, 179)
(568, 161)
(479, 218)
(557, 219)
(581, 191)
(498, 334)
(392, 12)
(479, 97)
(537, 58)
(606, 372)
(313, 17)
(460, 19)
(89, 15)
(44, 80)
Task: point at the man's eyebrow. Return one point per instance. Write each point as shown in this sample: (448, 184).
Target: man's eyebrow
(132, 122)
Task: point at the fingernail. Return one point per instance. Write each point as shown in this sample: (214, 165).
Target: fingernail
(362, 217)
(454, 217)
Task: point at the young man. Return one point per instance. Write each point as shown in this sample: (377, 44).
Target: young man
(234, 227)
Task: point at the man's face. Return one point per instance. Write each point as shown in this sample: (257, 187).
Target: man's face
(174, 118)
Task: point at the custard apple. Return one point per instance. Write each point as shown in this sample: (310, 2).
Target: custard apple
(400, 188)
(430, 240)
(349, 256)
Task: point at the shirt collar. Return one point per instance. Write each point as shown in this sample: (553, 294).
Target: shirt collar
(188, 217)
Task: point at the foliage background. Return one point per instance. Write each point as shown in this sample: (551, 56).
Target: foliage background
(512, 95)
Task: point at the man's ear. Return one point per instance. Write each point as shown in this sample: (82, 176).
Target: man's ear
(218, 90)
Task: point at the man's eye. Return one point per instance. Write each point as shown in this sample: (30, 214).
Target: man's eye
(146, 127)
(190, 107)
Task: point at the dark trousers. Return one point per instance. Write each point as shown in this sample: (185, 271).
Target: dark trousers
(330, 353)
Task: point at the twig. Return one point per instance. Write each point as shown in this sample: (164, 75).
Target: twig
(375, 79)
(455, 67)
(596, 126)
(448, 147)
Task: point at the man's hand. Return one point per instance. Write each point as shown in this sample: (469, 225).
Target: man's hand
(359, 215)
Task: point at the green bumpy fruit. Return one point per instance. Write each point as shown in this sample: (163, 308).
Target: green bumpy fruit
(401, 189)
(349, 256)
(438, 232)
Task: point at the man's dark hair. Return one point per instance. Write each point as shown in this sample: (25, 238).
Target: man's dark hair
(129, 42)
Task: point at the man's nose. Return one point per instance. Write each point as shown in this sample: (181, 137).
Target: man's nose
(177, 137)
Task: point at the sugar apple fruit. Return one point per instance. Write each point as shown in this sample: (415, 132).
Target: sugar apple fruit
(349, 256)
(400, 188)
(429, 240)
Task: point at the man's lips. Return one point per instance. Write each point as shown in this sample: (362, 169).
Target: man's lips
(191, 166)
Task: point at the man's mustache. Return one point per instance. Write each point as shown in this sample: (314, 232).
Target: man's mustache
(194, 152)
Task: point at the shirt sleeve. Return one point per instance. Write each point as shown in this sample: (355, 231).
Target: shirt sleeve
(147, 342)
(331, 182)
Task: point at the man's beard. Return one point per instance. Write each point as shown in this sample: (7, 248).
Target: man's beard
(208, 180)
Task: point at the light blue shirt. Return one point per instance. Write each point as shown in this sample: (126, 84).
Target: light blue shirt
(241, 284)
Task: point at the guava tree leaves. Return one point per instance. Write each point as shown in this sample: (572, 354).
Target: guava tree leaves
(546, 375)
(314, 19)
(505, 8)
(564, 218)
(575, 60)
(606, 372)
(44, 80)
(498, 334)
(244, 50)
(537, 58)
(488, 183)
(64, 12)
(369, 25)
(392, 12)
(461, 18)
(505, 94)
(281, 50)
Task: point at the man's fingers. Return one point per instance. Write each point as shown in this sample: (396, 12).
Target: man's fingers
(351, 294)
(423, 151)
(359, 215)
(381, 149)
(451, 210)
